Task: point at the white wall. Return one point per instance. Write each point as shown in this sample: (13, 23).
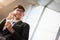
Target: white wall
(32, 17)
(48, 26)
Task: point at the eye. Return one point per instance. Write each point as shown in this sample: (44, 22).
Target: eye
(20, 10)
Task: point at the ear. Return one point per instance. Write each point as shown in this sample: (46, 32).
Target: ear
(22, 14)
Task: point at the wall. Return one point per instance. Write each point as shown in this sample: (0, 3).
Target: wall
(48, 26)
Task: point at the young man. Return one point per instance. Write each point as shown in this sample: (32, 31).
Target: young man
(12, 28)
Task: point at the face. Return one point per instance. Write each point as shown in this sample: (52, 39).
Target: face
(19, 13)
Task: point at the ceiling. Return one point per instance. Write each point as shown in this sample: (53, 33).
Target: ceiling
(5, 8)
(54, 5)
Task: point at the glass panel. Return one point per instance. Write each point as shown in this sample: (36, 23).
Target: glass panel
(48, 26)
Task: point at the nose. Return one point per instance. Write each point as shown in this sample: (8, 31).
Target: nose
(18, 12)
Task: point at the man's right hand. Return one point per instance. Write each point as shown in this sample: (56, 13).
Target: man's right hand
(10, 16)
(8, 19)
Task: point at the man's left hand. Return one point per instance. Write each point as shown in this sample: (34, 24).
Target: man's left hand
(8, 26)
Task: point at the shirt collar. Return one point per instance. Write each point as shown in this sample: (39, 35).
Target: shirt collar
(16, 20)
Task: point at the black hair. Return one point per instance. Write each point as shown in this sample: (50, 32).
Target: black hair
(20, 7)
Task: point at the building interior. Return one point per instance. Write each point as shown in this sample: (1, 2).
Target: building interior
(42, 15)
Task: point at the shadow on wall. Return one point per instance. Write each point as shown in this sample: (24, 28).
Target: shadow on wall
(58, 35)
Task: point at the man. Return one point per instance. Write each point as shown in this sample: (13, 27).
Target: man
(12, 27)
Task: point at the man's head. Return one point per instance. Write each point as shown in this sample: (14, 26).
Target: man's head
(19, 12)
(20, 7)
